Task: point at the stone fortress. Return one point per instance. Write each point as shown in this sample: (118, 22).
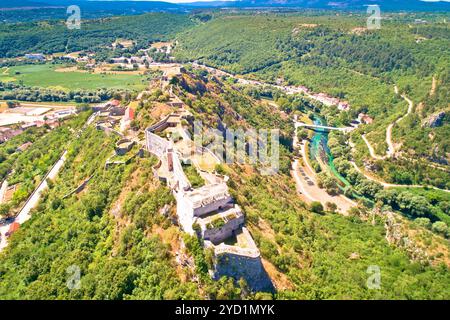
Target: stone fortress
(209, 211)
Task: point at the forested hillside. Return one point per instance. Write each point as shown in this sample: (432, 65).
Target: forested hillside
(338, 56)
(299, 247)
(112, 232)
(54, 36)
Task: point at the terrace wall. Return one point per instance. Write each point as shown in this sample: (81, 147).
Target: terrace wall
(156, 145)
(217, 235)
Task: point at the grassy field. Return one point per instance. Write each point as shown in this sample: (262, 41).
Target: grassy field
(46, 76)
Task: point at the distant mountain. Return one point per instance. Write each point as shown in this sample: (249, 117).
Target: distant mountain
(103, 6)
(130, 7)
(391, 5)
(7, 4)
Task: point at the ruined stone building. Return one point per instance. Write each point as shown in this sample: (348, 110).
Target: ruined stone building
(210, 213)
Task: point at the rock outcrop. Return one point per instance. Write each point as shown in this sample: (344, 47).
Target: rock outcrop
(435, 120)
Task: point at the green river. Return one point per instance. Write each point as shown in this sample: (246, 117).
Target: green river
(319, 151)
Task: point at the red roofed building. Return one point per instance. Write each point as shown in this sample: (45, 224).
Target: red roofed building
(13, 228)
(364, 118)
(129, 113)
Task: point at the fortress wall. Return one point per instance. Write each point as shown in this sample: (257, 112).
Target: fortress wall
(160, 126)
(156, 144)
(184, 213)
(218, 235)
(179, 176)
(249, 268)
(123, 146)
(213, 206)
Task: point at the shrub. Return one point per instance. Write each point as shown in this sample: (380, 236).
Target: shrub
(439, 227)
(423, 222)
(316, 207)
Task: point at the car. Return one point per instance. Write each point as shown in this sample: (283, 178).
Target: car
(5, 221)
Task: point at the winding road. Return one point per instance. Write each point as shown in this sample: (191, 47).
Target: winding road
(24, 213)
(385, 184)
(391, 147)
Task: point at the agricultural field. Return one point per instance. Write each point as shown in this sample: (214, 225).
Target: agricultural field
(45, 75)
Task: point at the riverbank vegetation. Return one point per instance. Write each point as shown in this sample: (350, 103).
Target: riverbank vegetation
(413, 202)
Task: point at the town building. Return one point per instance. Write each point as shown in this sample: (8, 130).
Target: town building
(35, 56)
(364, 118)
(12, 228)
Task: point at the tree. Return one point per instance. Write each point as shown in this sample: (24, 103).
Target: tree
(439, 227)
(331, 207)
(12, 104)
(316, 207)
(424, 222)
(328, 183)
(302, 134)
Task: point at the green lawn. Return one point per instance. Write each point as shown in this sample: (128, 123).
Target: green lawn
(46, 76)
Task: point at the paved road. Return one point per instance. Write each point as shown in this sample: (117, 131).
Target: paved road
(304, 177)
(33, 200)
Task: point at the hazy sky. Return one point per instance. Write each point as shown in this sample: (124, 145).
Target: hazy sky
(186, 1)
(181, 1)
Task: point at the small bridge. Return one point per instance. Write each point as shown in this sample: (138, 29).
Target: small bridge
(314, 126)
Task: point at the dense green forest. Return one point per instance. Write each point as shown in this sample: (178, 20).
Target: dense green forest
(80, 231)
(53, 36)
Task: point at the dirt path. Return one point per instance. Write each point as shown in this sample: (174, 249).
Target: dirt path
(383, 183)
(3, 190)
(391, 147)
(391, 185)
(433, 86)
(371, 149)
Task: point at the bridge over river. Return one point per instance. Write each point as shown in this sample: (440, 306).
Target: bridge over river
(315, 126)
